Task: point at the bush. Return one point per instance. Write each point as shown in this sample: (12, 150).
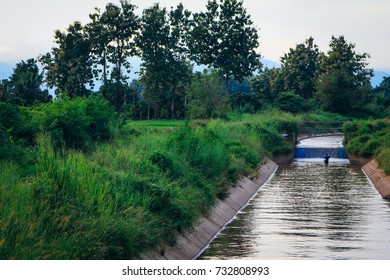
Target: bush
(366, 138)
(74, 123)
(293, 103)
(14, 124)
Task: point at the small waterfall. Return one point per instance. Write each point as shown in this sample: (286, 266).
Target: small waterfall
(320, 152)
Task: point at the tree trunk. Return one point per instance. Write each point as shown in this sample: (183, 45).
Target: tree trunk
(148, 109)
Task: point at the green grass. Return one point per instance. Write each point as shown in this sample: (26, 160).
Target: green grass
(130, 194)
(369, 139)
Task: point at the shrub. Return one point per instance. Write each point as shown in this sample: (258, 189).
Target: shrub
(74, 123)
(291, 102)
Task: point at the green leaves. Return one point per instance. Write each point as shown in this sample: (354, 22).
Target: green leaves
(300, 68)
(344, 83)
(224, 38)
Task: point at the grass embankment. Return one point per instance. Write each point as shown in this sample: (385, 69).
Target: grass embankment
(118, 198)
(370, 138)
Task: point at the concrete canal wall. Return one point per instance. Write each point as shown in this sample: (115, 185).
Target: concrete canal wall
(192, 243)
(378, 177)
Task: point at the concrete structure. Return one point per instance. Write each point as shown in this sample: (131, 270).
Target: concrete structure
(378, 177)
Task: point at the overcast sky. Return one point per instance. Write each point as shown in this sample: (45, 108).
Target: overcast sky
(26, 27)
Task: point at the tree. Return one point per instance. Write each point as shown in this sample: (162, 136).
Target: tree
(384, 87)
(267, 85)
(224, 38)
(25, 84)
(112, 34)
(5, 90)
(208, 98)
(300, 68)
(382, 93)
(69, 65)
(344, 83)
(165, 65)
(122, 25)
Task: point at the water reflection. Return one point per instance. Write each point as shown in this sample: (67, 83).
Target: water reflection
(310, 211)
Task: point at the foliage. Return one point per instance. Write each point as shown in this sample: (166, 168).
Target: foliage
(344, 83)
(74, 123)
(291, 102)
(14, 125)
(366, 138)
(26, 82)
(112, 33)
(207, 97)
(165, 68)
(267, 85)
(68, 67)
(300, 68)
(223, 37)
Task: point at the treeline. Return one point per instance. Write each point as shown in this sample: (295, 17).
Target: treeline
(167, 41)
(170, 42)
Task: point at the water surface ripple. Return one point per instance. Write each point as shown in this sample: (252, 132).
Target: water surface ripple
(310, 211)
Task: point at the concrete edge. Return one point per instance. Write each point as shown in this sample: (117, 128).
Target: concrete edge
(378, 178)
(193, 242)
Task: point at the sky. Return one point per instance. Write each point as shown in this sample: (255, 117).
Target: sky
(27, 27)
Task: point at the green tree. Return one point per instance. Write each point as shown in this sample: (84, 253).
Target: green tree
(25, 84)
(384, 87)
(120, 25)
(208, 98)
(98, 33)
(344, 82)
(165, 66)
(69, 65)
(224, 38)
(5, 90)
(300, 68)
(267, 85)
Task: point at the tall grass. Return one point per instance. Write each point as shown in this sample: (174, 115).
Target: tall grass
(130, 195)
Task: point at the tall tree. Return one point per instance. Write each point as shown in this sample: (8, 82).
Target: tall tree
(165, 65)
(224, 38)
(120, 25)
(344, 83)
(98, 33)
(300, 68)
(69, 65)
(25, 84)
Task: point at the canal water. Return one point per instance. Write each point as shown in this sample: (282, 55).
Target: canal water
(309, 210)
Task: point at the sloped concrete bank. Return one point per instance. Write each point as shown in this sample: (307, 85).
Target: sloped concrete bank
(192, 243)
(378, 177)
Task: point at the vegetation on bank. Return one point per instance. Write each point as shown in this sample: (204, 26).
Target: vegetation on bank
(121, 188)
(369, 138)
(79, 180)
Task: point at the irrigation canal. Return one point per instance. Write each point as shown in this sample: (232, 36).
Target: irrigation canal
(309, 210)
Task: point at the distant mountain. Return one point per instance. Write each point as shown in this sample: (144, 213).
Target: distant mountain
(5, 70)
(378, 77)
(270, 63)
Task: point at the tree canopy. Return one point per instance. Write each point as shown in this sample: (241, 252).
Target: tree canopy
(344, 83)
(224, 37)
(300, 68)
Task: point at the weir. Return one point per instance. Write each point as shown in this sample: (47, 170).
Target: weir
(319, 147)
(319, 152)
